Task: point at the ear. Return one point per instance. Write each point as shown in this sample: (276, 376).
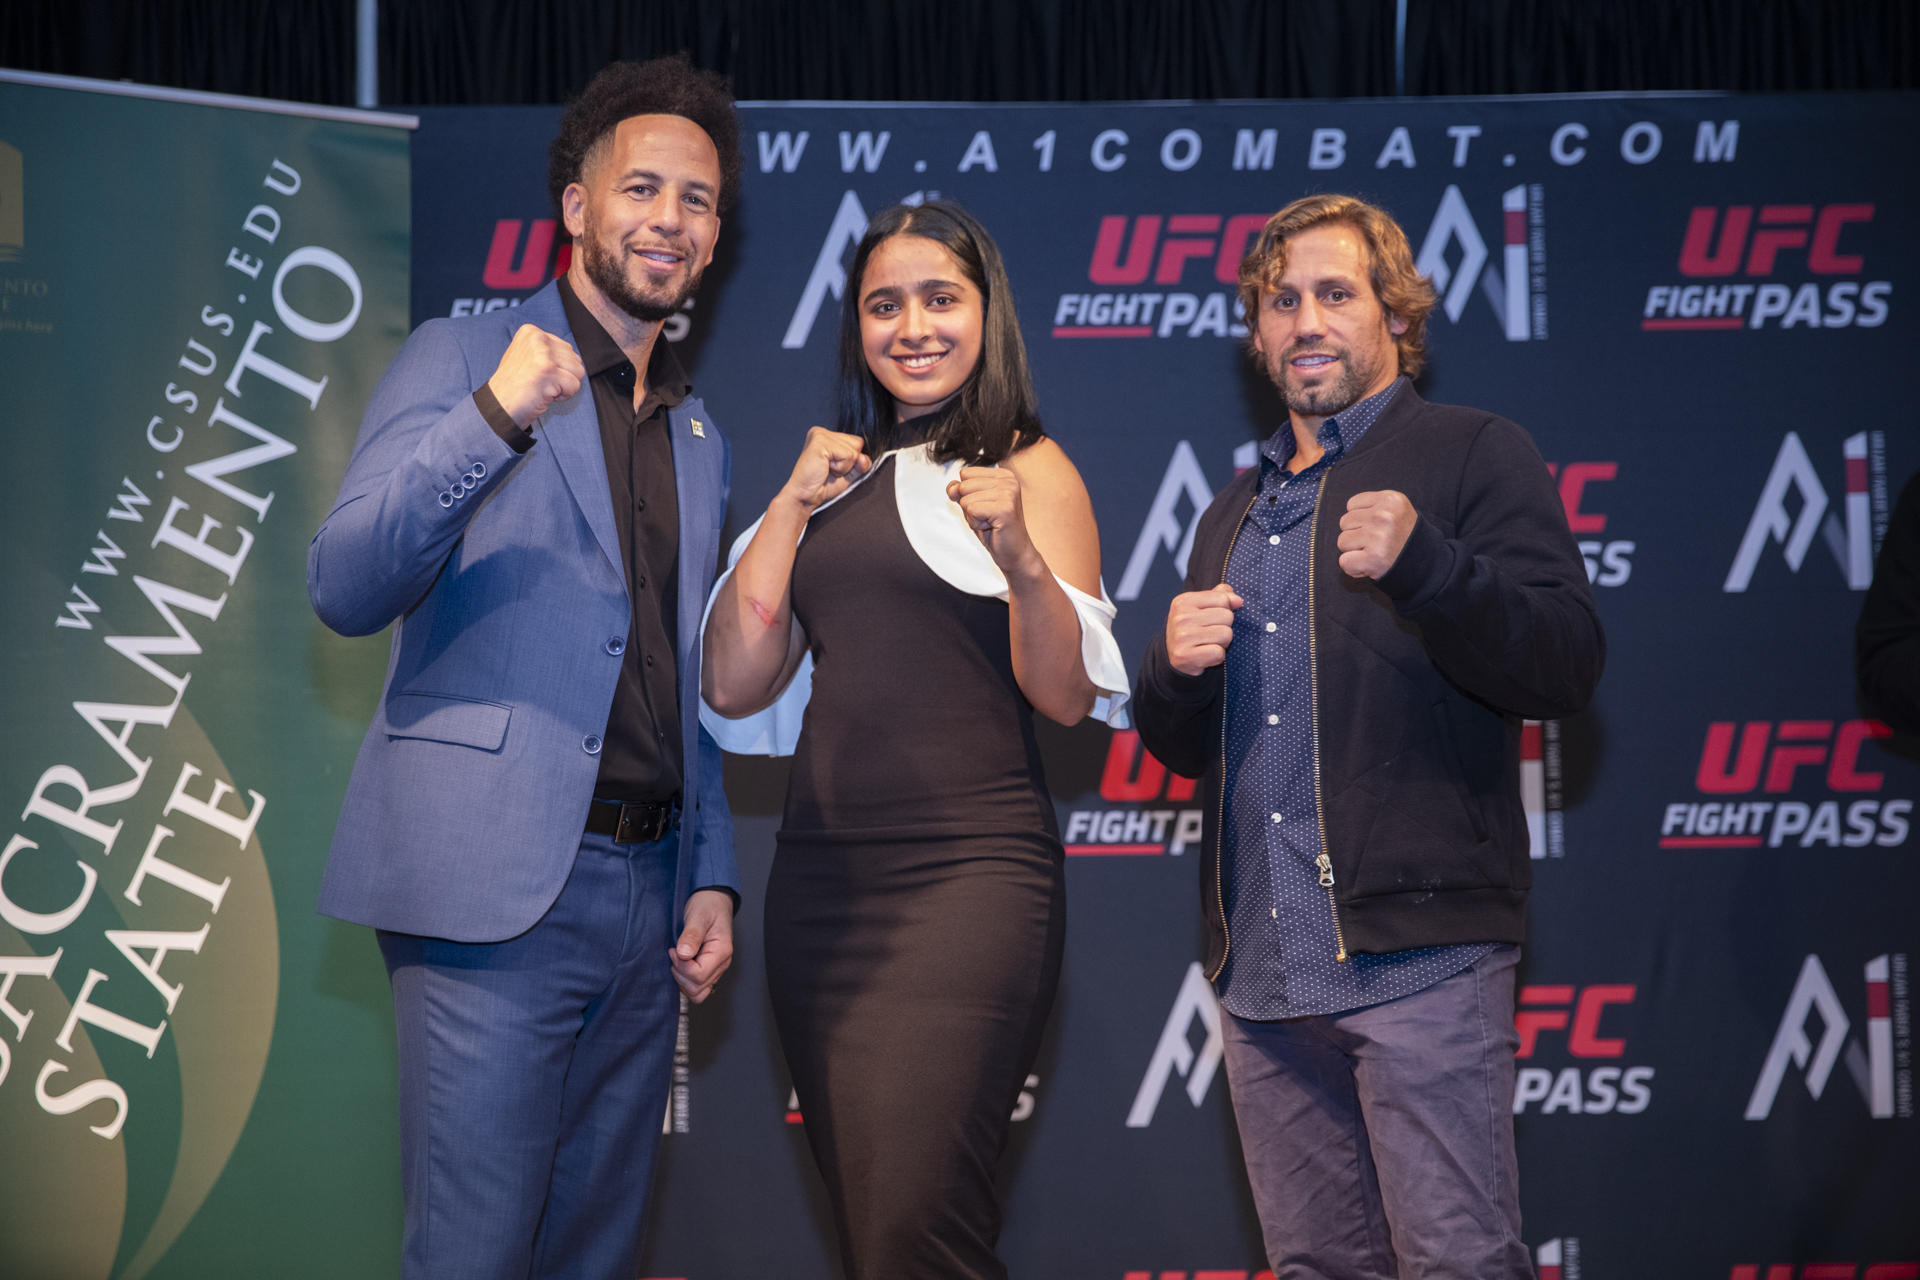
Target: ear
(1395, 325)
(573, 209)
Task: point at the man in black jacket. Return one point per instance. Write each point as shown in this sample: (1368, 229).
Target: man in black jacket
(1370, 613)
(1887, 637)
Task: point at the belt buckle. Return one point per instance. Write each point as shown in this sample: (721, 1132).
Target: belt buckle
(641, 823)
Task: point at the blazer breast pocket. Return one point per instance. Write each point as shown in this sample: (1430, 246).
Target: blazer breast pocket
(443, 717)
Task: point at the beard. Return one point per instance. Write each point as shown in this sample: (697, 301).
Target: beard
(607, 271)
(1326, 400)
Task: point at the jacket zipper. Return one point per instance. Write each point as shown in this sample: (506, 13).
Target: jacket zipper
(1220, 819)
(1324, 862)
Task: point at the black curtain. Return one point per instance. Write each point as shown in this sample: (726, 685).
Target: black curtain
(1741, 46)
(301, 50)
(450, 52)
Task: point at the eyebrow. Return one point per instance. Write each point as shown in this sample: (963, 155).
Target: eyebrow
(925, 286)
(1324, 282)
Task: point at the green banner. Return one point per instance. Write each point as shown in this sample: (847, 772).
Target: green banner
(196, 1071)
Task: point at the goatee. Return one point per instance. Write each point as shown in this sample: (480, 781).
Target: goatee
(604, 269)
(1322, 401)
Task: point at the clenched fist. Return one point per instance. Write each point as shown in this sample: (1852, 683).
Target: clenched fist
(1374, 528)
(829, 462)
(537, 370)
(1200, 627)
(989, 497)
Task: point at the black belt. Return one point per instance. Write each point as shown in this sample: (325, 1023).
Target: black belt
(631, 823)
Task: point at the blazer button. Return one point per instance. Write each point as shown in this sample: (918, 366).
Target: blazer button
(616, 645)
(591, 744)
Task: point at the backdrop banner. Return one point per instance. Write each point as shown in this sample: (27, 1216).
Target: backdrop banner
(196, 302)
(1695, 304)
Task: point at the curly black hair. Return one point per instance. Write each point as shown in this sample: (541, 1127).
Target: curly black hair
(670, 86)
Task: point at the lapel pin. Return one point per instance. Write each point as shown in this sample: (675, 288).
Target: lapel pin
(698, 429)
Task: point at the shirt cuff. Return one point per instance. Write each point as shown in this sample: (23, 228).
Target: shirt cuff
(517, 437)
(720, 888)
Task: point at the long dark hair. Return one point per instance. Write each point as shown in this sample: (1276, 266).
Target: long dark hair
(994, 415)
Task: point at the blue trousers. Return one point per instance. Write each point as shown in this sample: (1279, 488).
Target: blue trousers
(1379, 1141)
(534, 1076)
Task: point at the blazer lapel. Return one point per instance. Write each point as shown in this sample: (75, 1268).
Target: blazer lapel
(571, 428)
(696, 480)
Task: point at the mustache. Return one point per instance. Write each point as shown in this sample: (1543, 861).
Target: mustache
(1311, 346)
(678, 250)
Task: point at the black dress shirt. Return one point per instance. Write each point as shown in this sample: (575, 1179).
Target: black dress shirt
(642, 757)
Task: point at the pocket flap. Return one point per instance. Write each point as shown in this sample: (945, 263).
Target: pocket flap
(440, 717)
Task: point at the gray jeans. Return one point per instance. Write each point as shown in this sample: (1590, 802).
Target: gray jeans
(1380, 1141)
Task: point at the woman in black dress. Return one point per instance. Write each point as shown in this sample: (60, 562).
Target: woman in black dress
(915, 913)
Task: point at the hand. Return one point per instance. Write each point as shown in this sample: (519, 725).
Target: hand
(989, 498)
(1200, 627)
(830, 461)
(705, 948)
(537, 370)
(1374, 528)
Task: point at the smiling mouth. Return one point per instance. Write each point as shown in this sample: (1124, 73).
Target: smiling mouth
(1312, 362)
(919, 363)
(661, 256)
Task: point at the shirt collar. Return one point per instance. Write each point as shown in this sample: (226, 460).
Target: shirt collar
(600, 353)
(1338, 433)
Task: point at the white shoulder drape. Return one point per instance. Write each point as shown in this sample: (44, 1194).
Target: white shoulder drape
(937, 530)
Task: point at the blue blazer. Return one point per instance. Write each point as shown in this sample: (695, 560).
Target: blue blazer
(502, 576)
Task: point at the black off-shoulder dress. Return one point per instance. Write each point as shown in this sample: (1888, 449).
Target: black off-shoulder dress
(916, 911)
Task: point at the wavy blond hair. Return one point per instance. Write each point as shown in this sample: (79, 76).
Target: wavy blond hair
(1402, 290)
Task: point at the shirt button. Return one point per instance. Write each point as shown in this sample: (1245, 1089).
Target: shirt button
(616, 646)
(1273, 626)
(591, 745)
(1273, 719)
(1274, 538)
(1276, 817)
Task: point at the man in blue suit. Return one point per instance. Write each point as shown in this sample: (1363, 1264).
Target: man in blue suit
(536, 813)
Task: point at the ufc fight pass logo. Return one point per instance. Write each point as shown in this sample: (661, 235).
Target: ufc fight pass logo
(1735, 252)
(1554, 1020)
(1754, 771)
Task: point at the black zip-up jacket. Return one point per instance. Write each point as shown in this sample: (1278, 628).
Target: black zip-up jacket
(1887, 637)
(1420, 680)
